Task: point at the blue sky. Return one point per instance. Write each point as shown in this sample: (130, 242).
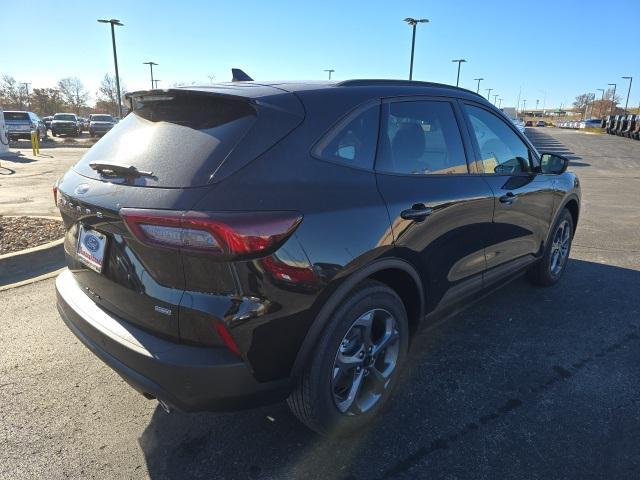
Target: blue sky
(562, 47)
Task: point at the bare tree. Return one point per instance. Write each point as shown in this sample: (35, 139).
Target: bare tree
(47, 101)
(73, 93)
(107, 98)
(11, 93)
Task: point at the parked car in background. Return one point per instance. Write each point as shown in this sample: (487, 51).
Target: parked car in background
(528, 123)
(235, 245)
(65, 124)
(100, 123)
(47, 121)
(84, 124)
(591, 123)
(541, 123)
(20, 123)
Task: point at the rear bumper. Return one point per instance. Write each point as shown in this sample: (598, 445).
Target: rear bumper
(186, 377)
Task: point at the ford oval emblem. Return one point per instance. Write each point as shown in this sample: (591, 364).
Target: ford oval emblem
(92, 243)
(81, 189)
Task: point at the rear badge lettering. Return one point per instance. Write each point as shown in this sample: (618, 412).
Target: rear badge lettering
(162, 310)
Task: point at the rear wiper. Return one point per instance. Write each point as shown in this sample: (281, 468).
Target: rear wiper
(116, 169)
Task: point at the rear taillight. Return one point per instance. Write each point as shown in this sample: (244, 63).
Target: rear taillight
(228, 234)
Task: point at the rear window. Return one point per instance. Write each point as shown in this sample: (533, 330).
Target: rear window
(16, 116)
(101, 118)
(181, 137)
(64, 116)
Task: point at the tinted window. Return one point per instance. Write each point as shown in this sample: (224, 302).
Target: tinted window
(420, 137)
(16, 116)
(183, 138)
(501, 151)
(64, 116)
(101, 118)
(353, 141)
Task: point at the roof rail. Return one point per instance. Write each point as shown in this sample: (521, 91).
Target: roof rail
(400, 83)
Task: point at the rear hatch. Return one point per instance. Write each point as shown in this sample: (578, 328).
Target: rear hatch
(162, 158)
(17, 122)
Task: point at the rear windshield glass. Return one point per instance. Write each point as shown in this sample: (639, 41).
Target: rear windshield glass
(182, 138)
(64, 116)
(101, 118)
(16, 116)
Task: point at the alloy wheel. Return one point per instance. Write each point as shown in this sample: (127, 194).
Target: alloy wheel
(560, 247)
(365, 362)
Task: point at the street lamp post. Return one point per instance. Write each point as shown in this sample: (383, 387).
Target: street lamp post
(151, 64)
(330, 70)
(628, 93)
(613, 97)
(524, 106)
(155, 83)
(459, 61)
(114, 22)
(537, 103)
(500, 103)
(26, 87)
(495, 98)
(488, 90)
(601, 101)
(413, 22)
(478, 80)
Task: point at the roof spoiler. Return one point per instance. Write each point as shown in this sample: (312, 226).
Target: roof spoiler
(238, 75)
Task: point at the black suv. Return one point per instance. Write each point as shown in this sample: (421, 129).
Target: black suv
(248, 242)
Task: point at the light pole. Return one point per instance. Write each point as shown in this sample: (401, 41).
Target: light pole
(413, 22)
(601, 101)
(500, 103)
(488, 90)
(26, 87)
(628, 92)
(211, 78)
(613, 97)
(478, 80)
(495, 98)
(330, 70)
(155, 83)
(524, 106)
(114, 22)
(537, 103)
(459, 61)
(151, 64)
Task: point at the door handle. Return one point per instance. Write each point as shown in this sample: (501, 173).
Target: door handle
(417, 212)
(509, 198)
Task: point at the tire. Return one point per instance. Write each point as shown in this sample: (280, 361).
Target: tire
(320, 400)
(54, 133)
(550, 268)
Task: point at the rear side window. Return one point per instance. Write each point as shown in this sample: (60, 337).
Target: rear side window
(502, 152)
(419, 138)
(352, 141)
(16, 116)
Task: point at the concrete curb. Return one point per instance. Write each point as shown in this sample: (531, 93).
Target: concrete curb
(19, 268)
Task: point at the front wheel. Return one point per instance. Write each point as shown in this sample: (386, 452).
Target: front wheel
(552, 265)
(356, 364)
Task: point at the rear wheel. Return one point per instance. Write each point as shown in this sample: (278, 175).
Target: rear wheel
(356, 364)
(552, 265)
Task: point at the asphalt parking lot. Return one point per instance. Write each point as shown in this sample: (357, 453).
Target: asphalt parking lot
(528, 384)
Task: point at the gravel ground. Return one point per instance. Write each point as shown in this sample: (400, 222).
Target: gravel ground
(18, 233)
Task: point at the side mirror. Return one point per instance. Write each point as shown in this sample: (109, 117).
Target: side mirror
(553, 164)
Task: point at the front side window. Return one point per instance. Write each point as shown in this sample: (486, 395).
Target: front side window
(420, 138)
(502, 152)
(353, 141)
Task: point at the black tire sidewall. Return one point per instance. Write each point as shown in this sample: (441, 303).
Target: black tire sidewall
(368, 298)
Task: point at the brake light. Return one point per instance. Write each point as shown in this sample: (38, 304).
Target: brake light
(229, 234)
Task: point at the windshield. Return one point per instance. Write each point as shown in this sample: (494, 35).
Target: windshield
(101, 118)
(65, 116)
(16, 116)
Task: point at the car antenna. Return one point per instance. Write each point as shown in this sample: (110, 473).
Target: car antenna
(238, 75)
